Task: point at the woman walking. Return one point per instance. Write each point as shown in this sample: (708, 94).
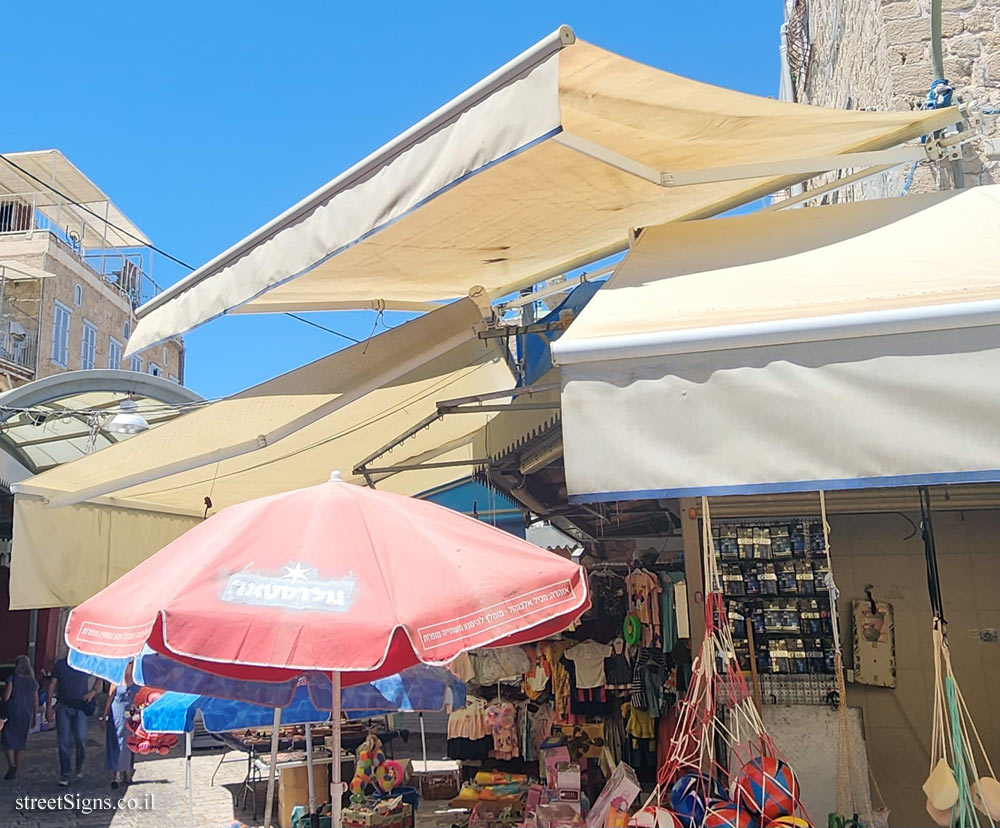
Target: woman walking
(21, 696)
(117, 757)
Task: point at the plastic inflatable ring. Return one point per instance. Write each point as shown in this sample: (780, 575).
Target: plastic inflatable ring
(632, 629)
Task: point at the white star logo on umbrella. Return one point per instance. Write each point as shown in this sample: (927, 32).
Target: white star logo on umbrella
(297, 572)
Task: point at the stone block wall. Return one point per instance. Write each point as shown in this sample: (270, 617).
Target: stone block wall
(877, 54)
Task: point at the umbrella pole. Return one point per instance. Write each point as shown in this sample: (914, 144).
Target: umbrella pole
(272, 768)
(187, 777)
(423, 740)
(336, 789)
(309, 770)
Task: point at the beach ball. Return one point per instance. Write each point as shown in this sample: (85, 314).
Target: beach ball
(789, 822)
(688, 798)
(729, 815)
(768, 787)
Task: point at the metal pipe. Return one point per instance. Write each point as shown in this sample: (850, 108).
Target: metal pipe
(272, 768)
(313, 817)
(336, 788)
(937, 56)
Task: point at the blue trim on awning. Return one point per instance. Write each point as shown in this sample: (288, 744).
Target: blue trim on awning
(897, 481)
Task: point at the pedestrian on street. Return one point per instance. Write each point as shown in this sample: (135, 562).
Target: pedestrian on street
(75, 703)
(21, 697)
(117, 757)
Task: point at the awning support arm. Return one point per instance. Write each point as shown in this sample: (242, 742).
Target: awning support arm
(453, 406)
(932, 149)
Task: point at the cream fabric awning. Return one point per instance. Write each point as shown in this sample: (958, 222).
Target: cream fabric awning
(544, 166)
(284, 434)
(831, 347)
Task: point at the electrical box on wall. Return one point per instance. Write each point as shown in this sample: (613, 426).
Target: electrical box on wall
(874, 643)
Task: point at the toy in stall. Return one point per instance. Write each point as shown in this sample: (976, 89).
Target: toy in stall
(789, 822)
(619, 793)
(369, 757)
(768, 788)
(389, 775)
(138, 740)
(729, 815)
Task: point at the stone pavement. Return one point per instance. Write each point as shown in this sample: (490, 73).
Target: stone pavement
(157, 798)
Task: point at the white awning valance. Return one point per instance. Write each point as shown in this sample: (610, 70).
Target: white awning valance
(831, 347)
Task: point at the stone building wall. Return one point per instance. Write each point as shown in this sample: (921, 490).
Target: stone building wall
(877, 54)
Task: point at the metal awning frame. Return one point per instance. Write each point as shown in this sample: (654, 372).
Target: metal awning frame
(475, 404)
(932, 148)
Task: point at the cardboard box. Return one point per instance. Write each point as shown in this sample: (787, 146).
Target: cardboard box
(567, 776)
(355, 817)
(622, 788)
(558, 815)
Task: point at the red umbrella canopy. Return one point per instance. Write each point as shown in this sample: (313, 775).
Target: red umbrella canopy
(335, 577)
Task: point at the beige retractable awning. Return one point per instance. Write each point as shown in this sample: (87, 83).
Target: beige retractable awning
(545, 165)
(284, 434)
(827, 348)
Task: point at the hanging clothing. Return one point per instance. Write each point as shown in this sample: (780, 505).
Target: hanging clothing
(541, 724)
(552, 653)
(608, 594)
(536, 681)
(589, 660)
(617, 670)
(650, 672)
(468, 723)
(462, 667)
(668, 611)
(501, 718)
(506, 664)
(644, 591)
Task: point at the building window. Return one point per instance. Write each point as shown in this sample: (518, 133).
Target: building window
(154, 369)
(166, 356)
(60, 334)
(128, 331)
(78, 296)
(88, 346)
(136, 364)
(173, 378)
(114, 353)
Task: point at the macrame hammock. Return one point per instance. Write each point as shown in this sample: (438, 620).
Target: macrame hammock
(956, 794)
(719, 728)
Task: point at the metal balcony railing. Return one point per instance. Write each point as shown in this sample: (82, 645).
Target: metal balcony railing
(125, 271)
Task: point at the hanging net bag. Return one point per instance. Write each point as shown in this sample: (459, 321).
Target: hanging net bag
(956, 794)
(722, 770)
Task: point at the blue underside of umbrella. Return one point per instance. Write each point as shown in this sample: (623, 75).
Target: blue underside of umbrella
(231, 704)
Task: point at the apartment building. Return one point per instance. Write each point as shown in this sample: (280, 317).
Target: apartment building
(73, 268)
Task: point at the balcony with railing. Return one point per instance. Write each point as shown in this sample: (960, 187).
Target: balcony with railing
(20, 301)
(42, 192)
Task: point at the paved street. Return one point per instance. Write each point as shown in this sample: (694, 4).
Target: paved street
(158, 795)
(158, 791)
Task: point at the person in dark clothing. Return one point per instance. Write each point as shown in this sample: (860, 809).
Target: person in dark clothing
(75, 703)
(21, 697)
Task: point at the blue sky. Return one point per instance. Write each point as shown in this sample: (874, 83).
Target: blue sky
(204, 120)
